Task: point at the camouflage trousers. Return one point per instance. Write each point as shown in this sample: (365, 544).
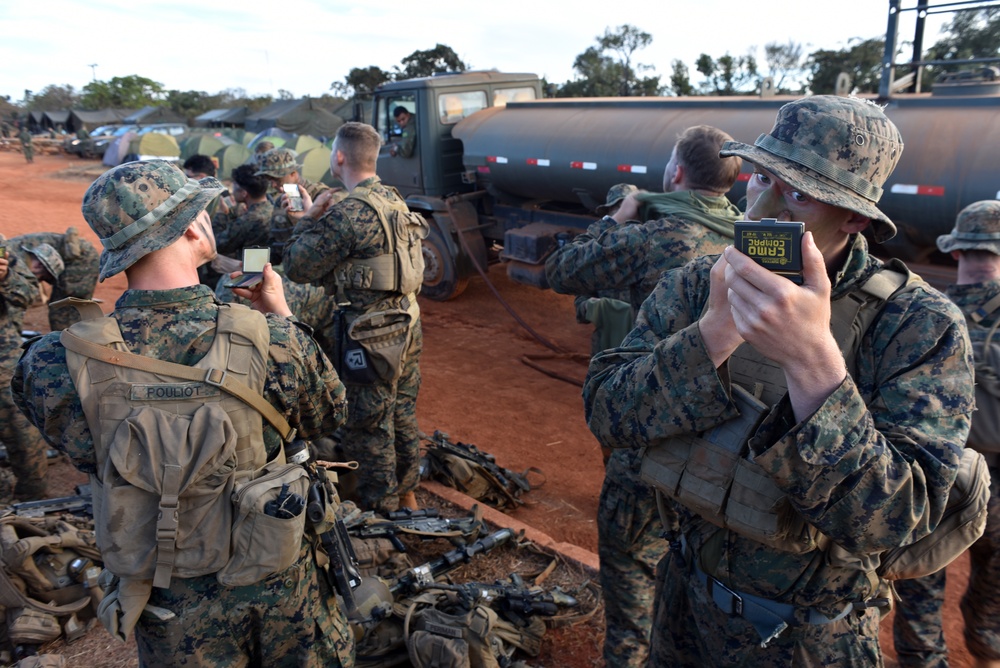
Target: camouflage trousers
(630, 543)
(287, 619)
(917, 629)
(689, 629)
(25, 446)
(381, 433)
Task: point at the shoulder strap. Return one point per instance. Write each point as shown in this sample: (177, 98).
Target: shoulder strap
(854, 313)
(984, 310)
(217, 377)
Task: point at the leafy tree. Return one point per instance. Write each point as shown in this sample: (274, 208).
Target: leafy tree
(285, 94)
(361, 82)
(131, 92)
(680, 79)
(862, 61)
(784, 62)
(600, 76)
(430, 62)
(190, 103)
(728, 75)
(53, 98)
(607, 69)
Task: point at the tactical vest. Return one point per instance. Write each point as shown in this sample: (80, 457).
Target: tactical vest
(713, 473)
(177, 499)
(984, 434)
(401, 269)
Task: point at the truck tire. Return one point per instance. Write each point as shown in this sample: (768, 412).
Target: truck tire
(441, 277)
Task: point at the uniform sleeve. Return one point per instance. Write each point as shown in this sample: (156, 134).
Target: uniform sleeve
(20, 287)
(44, 392)
(302, 383)
(606, 258)
(876, 474)
(661, 382)
(317, 247)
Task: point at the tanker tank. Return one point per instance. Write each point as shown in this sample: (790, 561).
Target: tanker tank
(570, 151)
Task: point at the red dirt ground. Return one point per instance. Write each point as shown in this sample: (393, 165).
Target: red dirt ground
(475, 387)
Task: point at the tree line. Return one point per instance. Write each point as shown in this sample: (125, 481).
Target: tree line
(609, 68)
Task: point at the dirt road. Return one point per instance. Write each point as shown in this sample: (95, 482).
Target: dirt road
(475, 386)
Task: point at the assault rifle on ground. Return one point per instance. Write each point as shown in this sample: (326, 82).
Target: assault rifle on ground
(81, 504)
(421, 577)
(425, 523)
(513, 600)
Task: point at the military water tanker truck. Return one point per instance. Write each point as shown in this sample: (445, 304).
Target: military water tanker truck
(503, 174)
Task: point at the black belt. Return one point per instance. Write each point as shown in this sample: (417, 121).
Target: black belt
(768, 617)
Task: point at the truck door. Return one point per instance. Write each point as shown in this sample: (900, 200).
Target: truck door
(403, 173)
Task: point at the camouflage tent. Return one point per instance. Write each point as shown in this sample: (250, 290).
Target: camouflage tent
(303, 117)
(218, 118)
(150, 114)
(314, 162)
(231, 157)
(79, 118)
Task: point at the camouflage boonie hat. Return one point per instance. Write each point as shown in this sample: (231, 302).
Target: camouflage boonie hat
(616, 194)
(49, 257)
(837, 150)
(277, 162)
(976, 228)
(140, 207)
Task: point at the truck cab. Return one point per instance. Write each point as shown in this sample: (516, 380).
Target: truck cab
(436, 169)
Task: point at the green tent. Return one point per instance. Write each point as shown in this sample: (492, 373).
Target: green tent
(230, 157)
(238, 135)
(155, 145)
(277, 141)
(204, 144)
(315, 162)
(303, 143)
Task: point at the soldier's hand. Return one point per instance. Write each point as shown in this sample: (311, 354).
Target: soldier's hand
(4, 265)
(318, 207)
(718, 330)
(788, 323)
(268, 296)
(628, 209)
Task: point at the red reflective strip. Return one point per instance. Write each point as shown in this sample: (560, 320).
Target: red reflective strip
(937, 191)
(576, 165)
(483, 169)
(532, 161)
(624, 168)
(491, 158)
(743, 177)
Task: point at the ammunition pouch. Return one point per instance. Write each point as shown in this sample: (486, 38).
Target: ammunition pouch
(714, 475)
(375, 343)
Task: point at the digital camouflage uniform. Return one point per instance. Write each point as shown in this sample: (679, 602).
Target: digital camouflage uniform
(871, 468)
(287, 619)
(234, 233)
(25, 447)
(81, 265)
(26, 146)
(917, 630)
(381, 431)
(279, 163)
(630, 258)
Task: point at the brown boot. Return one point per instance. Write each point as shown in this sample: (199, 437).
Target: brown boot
(409, 501)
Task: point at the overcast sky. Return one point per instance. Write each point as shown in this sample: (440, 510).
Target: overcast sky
(303, 46)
